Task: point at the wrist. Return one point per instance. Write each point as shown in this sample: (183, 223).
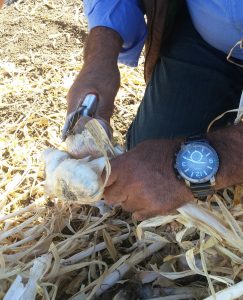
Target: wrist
(164, 151)
(228, 144)
(183, 194)
(100, 63)
(100, 73)
(103, 45)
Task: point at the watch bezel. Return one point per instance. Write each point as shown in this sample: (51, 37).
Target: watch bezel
(206, 178)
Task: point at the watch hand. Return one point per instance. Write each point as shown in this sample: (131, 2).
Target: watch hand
(196, 162)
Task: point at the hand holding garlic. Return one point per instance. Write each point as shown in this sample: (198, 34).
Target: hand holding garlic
(143, 181)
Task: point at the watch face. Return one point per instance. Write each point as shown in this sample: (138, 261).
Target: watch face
(197, 162)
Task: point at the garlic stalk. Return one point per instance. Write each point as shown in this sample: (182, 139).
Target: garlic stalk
(208, 223)
(19, 291)
(230, 293)
(112, 278)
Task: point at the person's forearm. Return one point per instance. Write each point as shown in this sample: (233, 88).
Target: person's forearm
(102, 47)
(228, 142)
(100, 72)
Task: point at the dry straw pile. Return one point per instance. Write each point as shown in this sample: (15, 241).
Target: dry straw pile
(51, 249)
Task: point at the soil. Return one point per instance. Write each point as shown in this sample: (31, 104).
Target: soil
(41, 53)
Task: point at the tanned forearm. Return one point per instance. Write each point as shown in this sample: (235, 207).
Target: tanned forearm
(228, 142)
(100, 73)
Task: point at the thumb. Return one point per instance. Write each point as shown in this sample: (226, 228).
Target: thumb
(114, 174)
(139, 215)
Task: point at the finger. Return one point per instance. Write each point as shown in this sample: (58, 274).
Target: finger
(104, 110)
(77, 95)
(153, 210)
(74, 98)
(131, 205)
(144, 214)
(140, 215)
(111, 179)
(115, 169)
(114, 195)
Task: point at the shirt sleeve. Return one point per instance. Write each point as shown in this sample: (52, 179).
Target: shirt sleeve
(126, 18)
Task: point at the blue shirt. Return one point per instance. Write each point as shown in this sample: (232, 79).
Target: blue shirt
(219, 22)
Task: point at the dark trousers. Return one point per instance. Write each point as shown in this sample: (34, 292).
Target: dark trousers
(192, 83)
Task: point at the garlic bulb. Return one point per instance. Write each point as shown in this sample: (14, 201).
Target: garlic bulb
(82, 145)
(52, 159)
(76, 174)
(73, 179)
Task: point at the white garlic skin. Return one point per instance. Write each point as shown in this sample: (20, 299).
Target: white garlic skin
(81, 143)
(52, 158)
(73, 179)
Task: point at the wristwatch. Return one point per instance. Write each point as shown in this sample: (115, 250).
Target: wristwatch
(197, 163)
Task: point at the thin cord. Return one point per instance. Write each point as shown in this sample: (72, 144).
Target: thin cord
(237, 110)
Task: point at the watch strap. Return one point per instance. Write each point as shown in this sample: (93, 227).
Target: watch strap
(202, 190)
(196, 138)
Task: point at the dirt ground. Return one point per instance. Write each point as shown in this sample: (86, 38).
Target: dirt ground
(41, 53)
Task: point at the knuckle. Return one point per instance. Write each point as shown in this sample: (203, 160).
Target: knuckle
(109, 200)
(138, 216)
